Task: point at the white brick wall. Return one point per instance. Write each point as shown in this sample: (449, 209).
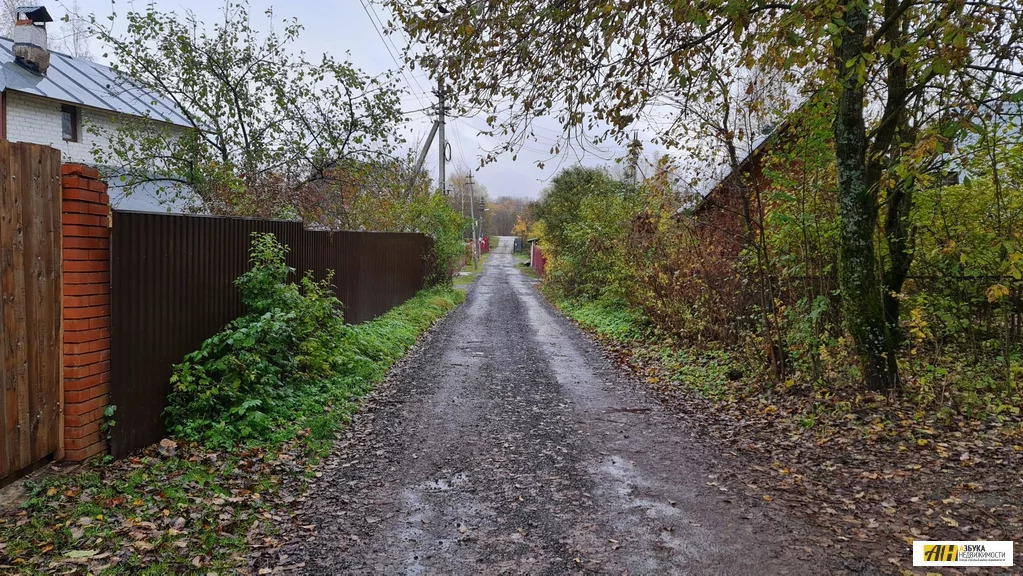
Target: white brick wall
(38, 120)
(35, 119)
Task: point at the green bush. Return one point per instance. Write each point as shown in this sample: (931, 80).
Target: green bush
(586, 217)
(444, 226)
(290, 362)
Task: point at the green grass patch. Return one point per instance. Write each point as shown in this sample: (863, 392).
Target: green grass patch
(614, 321)
(710, 371)
(469, 273)
(528, 271)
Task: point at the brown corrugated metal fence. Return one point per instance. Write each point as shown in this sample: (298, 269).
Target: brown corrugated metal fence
(172, 286)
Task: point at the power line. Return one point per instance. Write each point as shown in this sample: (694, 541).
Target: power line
(458, 145)
(395, 46)
(387, 47)
(416, 111)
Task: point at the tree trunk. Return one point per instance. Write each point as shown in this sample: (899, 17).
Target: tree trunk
(859, 280)
(899, 237)
(894, 133)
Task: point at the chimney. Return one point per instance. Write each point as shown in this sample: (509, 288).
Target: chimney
(29, 37)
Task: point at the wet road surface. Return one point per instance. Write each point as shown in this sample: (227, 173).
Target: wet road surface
(506, 444)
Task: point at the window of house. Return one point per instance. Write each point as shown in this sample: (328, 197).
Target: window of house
(69, 123)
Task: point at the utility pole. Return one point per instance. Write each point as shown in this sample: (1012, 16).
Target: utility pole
(438, 126)
(442, 143)
(461, 196)
(472, 216)
(632, 171)
(426, 148)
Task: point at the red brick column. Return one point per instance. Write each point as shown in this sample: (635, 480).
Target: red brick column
(86, 209)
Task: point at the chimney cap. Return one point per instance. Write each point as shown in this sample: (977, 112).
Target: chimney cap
(37, 14)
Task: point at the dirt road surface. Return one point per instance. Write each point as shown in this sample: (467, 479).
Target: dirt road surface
(506, 444)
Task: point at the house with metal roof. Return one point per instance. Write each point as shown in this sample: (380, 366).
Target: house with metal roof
(47, 97)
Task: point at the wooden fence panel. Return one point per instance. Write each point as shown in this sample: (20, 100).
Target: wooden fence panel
(31, 298)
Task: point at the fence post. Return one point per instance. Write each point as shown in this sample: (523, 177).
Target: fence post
(86, 212)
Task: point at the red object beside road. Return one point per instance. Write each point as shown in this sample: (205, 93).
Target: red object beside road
(537, 260)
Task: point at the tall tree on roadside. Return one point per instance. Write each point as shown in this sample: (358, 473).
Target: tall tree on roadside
(265, 120)
(585, 214)
(894, 65)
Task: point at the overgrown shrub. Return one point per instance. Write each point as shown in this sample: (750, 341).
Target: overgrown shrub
(585, 214)
(761, 287)
(245, 379)
(435, 218)
(290, 362)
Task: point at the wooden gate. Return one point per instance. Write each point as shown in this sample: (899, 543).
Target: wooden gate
(30, 305)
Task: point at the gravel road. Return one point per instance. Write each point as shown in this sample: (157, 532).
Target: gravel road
(506, 444)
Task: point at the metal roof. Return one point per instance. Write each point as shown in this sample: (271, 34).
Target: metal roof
(85, 83)
(721, 172)
(158, 197)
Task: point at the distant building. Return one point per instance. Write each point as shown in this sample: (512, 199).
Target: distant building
(720, 214)
(49, 98)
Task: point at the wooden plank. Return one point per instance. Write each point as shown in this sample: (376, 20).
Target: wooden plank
(52, 257)
(8, 422)
(42, 287)
(20, 162)
(31, 218)
(57, 267)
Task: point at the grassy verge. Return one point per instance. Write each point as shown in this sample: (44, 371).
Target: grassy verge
(616, 322)
(522, 261)
(468, 274)
(183, 508)
(707, 371)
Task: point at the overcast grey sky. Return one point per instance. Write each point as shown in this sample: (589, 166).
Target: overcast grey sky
(346, 26)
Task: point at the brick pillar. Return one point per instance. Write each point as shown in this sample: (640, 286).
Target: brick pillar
(86, 209)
